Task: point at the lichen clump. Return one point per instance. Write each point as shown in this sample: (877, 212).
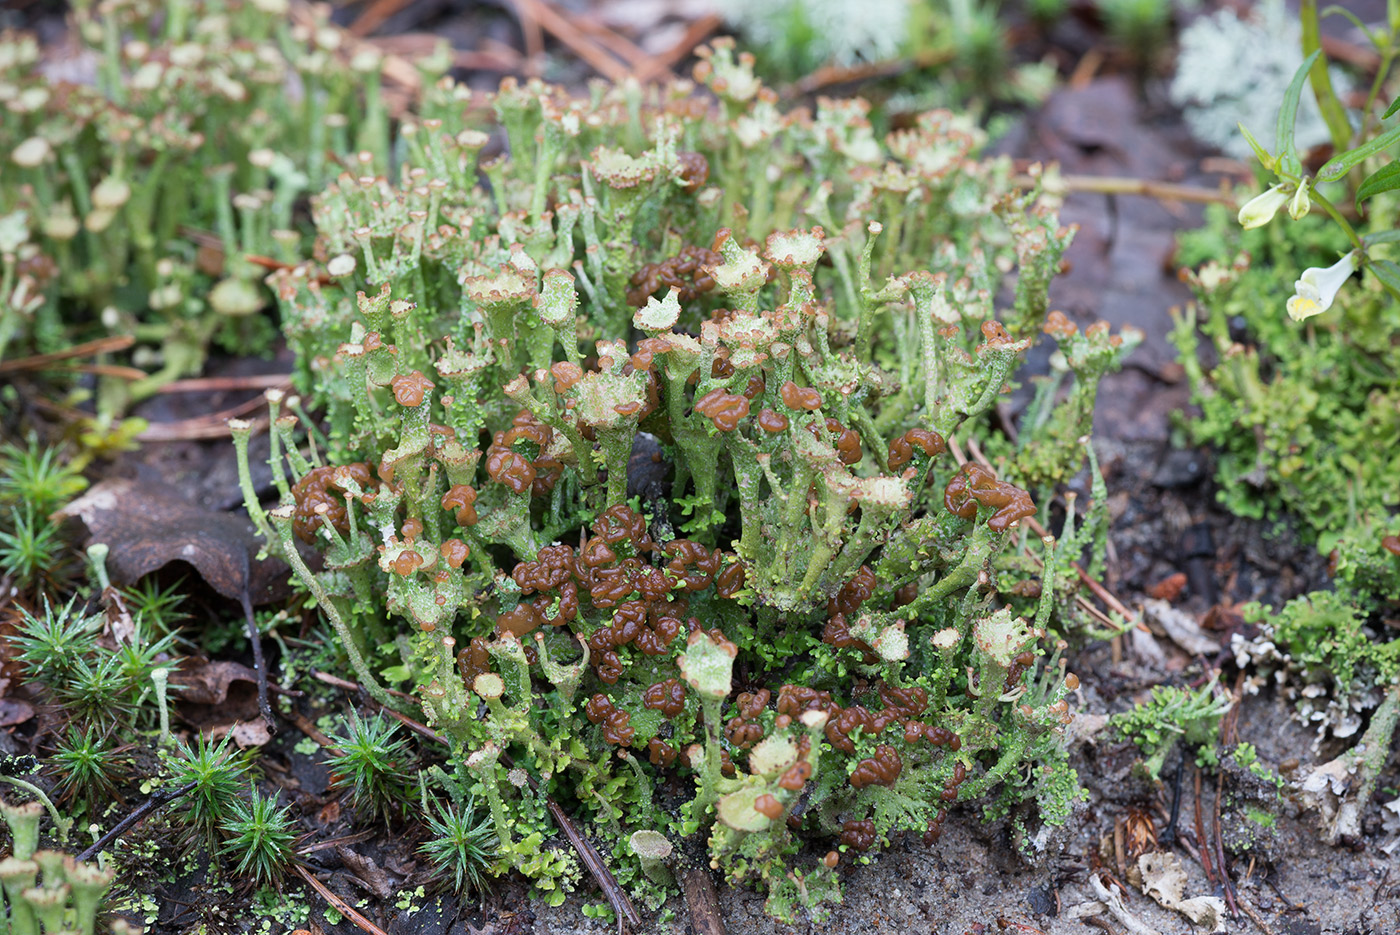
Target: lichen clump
(664, 508)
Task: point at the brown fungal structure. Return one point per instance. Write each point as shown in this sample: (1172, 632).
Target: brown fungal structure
(902, 448)
(411, 389)
(685, 272)
(804, 398)
(616, 723)
(320, 497)
(725, 410)
(744, 730)
(975, 485)
(858, 835)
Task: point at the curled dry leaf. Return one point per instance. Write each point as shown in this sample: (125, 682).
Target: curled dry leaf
(1164, 879)
(147, 526)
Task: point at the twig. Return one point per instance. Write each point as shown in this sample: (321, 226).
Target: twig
(259, 664)
(110, 370)
(303, 723)
(374, 16)
(44, 361)
(1201, 839)
(355, 838)
(159, 799)
(415, 45)
(1254, 916)
(841, 74)
(530, 30)
(1101, 592)
(1169, 833)
(1083, 74)
(703, 901)
(260, 381)
(567, 33)
(619, 45)
(617, 897)
(1125, 185)
(214, 425)
(695, 34)
(422, 730)
(348, 685)
(1220, 848)
(338, 904)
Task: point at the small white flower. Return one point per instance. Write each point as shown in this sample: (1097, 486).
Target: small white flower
(1261, 209)
(1318, 286)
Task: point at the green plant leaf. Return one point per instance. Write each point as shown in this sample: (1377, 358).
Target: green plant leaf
(1384, 179)
(1260, 153)
(1332, 111)
(1380, 237)
(1388, 273)
(1390, 111)
(1341, 164)
(1288, 115)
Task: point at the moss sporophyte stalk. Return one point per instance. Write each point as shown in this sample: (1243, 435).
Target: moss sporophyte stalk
(635, 464)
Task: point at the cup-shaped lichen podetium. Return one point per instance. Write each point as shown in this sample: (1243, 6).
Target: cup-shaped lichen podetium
(741, 275)
(999, 639)
(611, 404)
(707, 665)
(23, 820)
(506, 299)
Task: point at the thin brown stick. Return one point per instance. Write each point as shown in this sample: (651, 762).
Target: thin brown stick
(702, 901)
(414, 45)
(841, 74)
(110, 370)
(616, 896)
(1254, 916)
(567, 33)
(696, 33)
(375, 15)
(1101, 592)
(214, 425)
(348, 685)
(485, 60)
(1084, 72)
(258, 381)
(117, 342)
(1220, 849)
(340, 905)
(616, 43)
(1147, 188)
(1201, 839)
(530, 29)
(422, 730)
(355, 838)
(304, 724)
(1358, 56)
